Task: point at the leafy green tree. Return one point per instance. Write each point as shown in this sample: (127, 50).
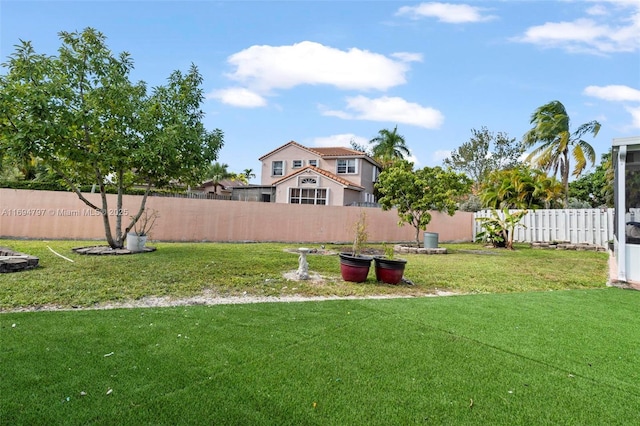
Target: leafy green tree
(595, 188)
(521, 188)
(389, 146)
(551, 130)
(484, 153)
(417, 192)
(79, 114)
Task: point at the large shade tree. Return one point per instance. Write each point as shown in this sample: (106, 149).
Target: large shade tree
(389, 146)
(551, 131)
(415, 193)
(82, 117)
(484, 153)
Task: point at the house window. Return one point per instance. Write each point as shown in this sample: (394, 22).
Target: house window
(308, 196)
(296, 164)
(313, 163)
(308, 181)
(347, 166)
(277, 168)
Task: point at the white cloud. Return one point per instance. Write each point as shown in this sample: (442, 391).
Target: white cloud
(389, 109)
(238, 96)
(343, 139)
(445, 12)
(408, 56)
(265, 68)
(597, 10)
(635, 114)
(439, 155)
(613, 93)
(412, 158)
(613, 26)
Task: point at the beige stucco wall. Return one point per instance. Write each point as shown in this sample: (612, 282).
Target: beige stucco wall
(351, 196)
(61, 215)
(336, 190)
(366, 176)
(286, 154)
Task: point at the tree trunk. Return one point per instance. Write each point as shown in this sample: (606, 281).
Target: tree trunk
(119, 211)
(565, 177)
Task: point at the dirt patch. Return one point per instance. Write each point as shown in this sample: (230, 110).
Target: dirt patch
(312, 251)
(211, 300)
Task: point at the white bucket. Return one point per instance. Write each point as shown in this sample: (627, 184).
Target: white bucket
(135, 242)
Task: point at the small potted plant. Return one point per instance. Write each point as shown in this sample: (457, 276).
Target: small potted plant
(389, 270)
(137, 238)
(355, 266)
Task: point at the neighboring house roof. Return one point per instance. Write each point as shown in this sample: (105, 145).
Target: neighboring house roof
(224, 184)
(329, 152)
(322, 172)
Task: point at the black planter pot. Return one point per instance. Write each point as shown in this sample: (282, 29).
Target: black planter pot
(354, 268)
(389, 271)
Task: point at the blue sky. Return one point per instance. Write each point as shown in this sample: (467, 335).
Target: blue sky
(324, 73)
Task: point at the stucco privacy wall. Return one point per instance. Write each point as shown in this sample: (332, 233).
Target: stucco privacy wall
(61, 215)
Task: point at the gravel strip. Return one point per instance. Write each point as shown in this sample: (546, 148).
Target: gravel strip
(210, 300)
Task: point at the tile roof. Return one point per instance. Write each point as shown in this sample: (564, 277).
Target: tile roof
(337, 151)
(323, 172)
(283, 146)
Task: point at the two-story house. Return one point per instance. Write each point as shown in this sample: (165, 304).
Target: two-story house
(327, 176)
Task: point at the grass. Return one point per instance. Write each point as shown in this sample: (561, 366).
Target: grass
(560, 357)
(189, 269)
(549, 345)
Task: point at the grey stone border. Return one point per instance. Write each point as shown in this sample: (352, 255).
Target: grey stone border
(415, 250)
(106, 250)
(13, 261)
(566, 245)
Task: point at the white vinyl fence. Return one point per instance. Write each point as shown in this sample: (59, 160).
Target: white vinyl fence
(593, 226)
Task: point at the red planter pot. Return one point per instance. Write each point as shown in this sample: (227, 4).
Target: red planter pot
(389, 271)
(354, 268)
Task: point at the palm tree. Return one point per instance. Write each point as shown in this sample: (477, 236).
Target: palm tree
(248, 174)
(217, 172)
(551, 129)
(389, 146)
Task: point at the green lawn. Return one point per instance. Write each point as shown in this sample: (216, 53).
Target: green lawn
(555, 357)
(190, 269)
(534, 338)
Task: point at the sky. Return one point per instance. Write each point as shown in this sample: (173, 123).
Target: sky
(325, 73)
